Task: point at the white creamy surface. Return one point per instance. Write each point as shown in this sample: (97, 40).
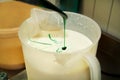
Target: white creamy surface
(74, 41)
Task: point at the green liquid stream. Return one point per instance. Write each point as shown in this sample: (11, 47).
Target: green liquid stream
(64, 47)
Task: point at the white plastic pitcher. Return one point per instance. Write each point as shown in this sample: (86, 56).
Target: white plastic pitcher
(78, 65)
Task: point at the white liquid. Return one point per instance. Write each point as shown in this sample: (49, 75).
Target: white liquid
(47, 66)
(74, 41)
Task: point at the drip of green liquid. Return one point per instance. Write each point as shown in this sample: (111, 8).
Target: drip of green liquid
(64, 46)
(52, 38)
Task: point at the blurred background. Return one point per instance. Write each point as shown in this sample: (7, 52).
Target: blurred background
(107, 14)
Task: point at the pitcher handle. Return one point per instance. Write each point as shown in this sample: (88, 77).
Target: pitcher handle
(95, 70)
